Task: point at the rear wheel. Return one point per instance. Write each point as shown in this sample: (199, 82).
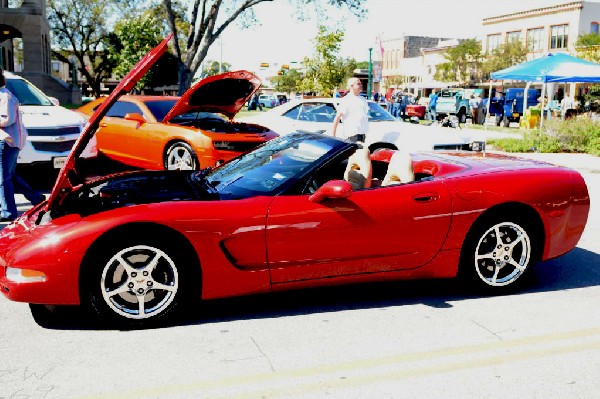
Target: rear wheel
(180, 156)
(498, 254)
(462, 117)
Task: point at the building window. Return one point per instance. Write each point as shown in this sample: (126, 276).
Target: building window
(493, 42)
(535, 39)
(513, 36)
(559, 36)
(594, 27)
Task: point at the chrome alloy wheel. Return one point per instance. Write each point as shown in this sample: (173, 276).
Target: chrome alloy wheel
(503, 254)
(139, 282)
(180, 157)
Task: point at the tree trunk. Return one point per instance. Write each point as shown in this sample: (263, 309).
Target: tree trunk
(185, 78)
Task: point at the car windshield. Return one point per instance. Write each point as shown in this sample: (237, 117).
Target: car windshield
(26, 93)
(161, 108)
(197, 116)
(266, 170)
(378, 114)
(325, 112)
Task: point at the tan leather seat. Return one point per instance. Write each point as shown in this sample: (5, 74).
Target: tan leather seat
(400, 170)
(359, 169)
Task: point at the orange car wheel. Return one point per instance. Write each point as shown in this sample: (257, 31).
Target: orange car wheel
(180, 156)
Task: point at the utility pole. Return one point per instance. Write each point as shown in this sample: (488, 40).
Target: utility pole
(370, 83)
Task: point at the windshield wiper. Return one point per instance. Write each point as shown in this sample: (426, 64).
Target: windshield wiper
(199, 180)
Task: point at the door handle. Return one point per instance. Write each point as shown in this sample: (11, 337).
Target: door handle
(103, 125)
(426, 197)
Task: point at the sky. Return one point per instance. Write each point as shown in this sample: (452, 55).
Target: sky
(280, 38)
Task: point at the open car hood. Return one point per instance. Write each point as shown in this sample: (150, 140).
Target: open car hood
(69, 177)
(225, 93)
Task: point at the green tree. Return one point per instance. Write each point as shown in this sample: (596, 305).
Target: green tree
(213, 68)
(325, 70)
(80, 29)
(463, 63)
(288, 82)
(588, 47)
(133, 38)
(209, 18)
(506, 55)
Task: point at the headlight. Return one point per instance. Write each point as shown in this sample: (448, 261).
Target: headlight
(24, 275)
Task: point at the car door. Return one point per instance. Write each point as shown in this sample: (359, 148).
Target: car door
(117, 136)
(374, 230)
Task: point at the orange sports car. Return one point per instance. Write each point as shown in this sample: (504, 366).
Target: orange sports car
(193, 131)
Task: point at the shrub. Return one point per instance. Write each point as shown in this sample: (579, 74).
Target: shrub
(579, 135)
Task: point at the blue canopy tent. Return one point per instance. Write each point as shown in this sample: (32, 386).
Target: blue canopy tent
(554, 67)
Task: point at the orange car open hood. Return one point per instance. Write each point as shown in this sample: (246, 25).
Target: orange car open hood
(225, 93)
(69, 176)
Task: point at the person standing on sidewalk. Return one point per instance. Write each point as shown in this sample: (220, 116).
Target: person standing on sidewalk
(353, 111)
(474, 105)
(13, 136)
(433, 97)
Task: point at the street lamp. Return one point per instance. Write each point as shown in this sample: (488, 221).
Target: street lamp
(370, 82)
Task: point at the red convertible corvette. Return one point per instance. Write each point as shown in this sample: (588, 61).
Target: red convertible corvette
(300, 210)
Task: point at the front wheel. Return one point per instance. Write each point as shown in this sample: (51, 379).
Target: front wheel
(180, 156)
(136, 282)
(498, 254)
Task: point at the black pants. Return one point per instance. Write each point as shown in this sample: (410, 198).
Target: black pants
(357, 137)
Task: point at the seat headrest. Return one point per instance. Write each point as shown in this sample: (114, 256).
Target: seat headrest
(400, 169)
(359, 169)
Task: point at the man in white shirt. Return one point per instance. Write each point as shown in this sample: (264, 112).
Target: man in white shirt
(353, 111)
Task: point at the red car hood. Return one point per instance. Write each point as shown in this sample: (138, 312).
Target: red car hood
(225, 93)
(69, 176)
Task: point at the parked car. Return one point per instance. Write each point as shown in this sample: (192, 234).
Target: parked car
(512, 105)
(136, 247)
(417, 110)
(385, 131)
(455, 102)
(268, 100)
(52, 129)
(191, 132)
(282, 99)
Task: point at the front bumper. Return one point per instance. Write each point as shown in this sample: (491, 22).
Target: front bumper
(35, 264)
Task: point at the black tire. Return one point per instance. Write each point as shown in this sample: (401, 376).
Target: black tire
(462, 117)
(180, 156)
(495, 265)
(136, 281)
(46, 316)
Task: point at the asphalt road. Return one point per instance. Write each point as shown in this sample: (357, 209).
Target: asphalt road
(395, 340)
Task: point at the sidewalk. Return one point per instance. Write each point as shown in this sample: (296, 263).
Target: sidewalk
(580, 162)
(584, 163)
